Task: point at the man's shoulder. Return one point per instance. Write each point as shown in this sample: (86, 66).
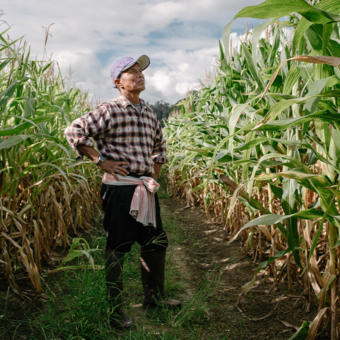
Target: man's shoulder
(119, 100)
(111, 105)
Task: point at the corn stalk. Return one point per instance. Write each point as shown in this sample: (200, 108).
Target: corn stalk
(271, 124)
(44, 195)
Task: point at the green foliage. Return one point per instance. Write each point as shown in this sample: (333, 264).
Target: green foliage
(35, 108)
(270, 120)
(302, 332)
(39, 177)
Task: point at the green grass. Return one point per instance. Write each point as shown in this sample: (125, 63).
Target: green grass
(76, 306)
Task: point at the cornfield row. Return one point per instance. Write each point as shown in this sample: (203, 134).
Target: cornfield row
(44, 196)
(260, 149)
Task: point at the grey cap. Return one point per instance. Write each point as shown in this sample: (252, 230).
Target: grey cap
(124, 63)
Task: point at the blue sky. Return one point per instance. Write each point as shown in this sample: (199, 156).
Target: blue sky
(180, 37)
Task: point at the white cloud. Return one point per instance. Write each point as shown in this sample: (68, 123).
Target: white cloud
(179, 36)
(160, 80)
(183, 72)
(183, 87)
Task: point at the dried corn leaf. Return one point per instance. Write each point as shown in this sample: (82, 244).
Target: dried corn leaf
(316, 323)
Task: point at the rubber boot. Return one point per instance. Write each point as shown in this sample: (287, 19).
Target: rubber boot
(153, 280)
(113, 269)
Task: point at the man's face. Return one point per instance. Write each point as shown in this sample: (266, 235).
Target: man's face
(131, 80)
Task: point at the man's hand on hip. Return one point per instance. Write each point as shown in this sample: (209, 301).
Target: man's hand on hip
(107, 165)
(114, 167)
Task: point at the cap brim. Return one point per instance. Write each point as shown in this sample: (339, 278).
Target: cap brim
(143, 61)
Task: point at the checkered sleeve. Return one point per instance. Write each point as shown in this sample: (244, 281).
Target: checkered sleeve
(80, 131)
(159, 148)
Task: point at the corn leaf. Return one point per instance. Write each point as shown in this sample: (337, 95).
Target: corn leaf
(277, 8)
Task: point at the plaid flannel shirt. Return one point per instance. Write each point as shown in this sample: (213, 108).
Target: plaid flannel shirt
(121, 134)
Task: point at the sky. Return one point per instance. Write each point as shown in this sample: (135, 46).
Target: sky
(86, 36)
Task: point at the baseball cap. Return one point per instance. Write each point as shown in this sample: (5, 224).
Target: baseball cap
(124, 63)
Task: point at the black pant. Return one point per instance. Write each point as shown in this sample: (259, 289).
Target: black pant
(123, 230)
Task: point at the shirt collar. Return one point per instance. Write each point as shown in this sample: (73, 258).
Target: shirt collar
(125, 102)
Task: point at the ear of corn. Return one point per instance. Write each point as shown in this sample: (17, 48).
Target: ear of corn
(270, 124)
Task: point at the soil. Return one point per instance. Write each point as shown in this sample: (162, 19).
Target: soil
(202, 254)
(265, 313)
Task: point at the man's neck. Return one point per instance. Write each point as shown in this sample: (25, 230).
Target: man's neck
(132, 97)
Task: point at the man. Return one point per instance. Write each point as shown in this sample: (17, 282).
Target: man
(131, 151)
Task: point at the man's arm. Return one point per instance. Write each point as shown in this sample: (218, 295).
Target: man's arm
(157, 170)
(80, 131)
(109, 166)
(88, 151)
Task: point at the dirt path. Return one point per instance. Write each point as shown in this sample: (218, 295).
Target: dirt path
(205, 273)
(203, 254)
